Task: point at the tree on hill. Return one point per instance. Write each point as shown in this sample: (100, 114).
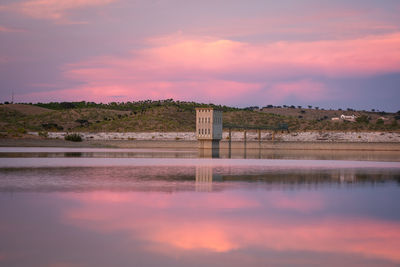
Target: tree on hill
(363, 119)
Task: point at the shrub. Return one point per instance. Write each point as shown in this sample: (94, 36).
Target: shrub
(83, 123)
(73, 137)
(52, 126)
(21, 130)
(362, 119)
(43, 134)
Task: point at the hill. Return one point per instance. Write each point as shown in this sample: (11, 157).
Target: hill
(321, 119)
(26, 109)
(169, 115)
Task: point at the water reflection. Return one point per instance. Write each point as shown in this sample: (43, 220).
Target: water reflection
(275, 223)
(232, 227)
(201, 153)
(199, 214)
(73, 154)
(187, 178)
(209, 153)
(205, 178)
(205, 212)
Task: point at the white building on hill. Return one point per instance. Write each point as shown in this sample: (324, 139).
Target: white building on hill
(351, 118)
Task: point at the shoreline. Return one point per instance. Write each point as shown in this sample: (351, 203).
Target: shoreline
(188, 144)
(250, 135)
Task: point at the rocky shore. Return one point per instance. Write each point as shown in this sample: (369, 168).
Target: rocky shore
(353, 137)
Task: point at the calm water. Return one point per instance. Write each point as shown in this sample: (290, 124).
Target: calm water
(170, 208)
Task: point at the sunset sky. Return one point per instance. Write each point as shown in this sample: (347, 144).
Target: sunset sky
(331, 54)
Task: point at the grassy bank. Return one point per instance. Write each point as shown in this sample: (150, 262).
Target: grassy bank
(168, 116)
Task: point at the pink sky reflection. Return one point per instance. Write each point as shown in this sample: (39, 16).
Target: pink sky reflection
(212, 222)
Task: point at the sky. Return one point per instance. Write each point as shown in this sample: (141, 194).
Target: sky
(330, 54)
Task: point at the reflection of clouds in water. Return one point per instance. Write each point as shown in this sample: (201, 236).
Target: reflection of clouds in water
(311, 203)
(215, 222)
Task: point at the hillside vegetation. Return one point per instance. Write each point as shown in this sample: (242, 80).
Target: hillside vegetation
(169, 115)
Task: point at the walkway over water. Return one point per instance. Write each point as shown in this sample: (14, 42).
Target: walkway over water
(279, 127)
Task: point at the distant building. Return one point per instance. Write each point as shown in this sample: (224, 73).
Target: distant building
(351, 118)
(208, 126)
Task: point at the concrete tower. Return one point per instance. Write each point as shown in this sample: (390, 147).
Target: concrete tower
(208, 127)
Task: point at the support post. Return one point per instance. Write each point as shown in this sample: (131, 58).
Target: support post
(245, 140)
(230, 141)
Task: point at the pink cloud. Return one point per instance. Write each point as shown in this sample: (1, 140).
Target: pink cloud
(206, 91)
(7, 29)
(53, 10)
(3, 60)
(362, 56)
(308, 22)
(209, 69)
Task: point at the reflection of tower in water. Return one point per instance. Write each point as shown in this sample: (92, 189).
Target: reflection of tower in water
(210, 152)
(204, 178)
(347, 176)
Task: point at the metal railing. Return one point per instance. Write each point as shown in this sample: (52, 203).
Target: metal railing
(279, 127)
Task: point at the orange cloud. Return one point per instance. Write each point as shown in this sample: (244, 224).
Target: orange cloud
(209, 69)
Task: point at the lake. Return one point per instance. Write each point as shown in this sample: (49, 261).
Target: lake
(149, 207)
